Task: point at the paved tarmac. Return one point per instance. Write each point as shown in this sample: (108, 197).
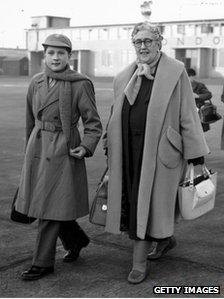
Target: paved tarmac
(103, 266)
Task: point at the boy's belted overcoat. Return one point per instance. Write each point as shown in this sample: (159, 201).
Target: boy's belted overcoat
(173, 134)
(53, 185)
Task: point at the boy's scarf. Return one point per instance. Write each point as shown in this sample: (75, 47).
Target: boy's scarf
(65, 79)
(146, 69)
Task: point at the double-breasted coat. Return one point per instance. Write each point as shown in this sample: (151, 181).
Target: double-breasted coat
(173, 134)
(53, 184)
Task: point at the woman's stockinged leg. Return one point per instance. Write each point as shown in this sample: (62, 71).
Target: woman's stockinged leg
(139, 267)
(140, 251)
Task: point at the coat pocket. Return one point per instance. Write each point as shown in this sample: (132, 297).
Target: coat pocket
(170, 148)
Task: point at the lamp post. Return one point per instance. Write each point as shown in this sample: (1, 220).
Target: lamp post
(36, 28)
(146, 10)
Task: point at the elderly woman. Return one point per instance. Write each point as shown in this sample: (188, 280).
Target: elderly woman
(153, 129)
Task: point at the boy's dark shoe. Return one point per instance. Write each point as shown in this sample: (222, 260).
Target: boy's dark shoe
(35, 272)
(73, 254)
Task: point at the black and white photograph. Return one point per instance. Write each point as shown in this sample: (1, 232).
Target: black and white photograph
(112, 149)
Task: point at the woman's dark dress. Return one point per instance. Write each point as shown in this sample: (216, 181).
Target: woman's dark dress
(133, 132)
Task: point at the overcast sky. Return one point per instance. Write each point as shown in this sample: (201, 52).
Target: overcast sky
(15, 15)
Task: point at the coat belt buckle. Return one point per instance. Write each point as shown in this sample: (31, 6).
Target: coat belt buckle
(47, 126)
(50, 127)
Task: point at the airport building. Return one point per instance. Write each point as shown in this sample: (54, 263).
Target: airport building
(103, 50)
(13, 62)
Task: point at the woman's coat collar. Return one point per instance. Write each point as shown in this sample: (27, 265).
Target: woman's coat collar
(168, 72)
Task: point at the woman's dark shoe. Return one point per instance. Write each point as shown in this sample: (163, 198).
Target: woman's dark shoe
(73, 254)
(136, 276)
(35, 272)
(162, 248)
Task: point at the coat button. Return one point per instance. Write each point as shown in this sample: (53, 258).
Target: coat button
(56, 117)
(48, 159)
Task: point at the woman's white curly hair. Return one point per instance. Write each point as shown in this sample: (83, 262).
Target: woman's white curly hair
(145, 26)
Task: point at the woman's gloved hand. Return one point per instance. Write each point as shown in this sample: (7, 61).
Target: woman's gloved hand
(197, 161)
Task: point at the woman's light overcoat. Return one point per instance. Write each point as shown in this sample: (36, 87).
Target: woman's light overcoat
(53, 185)
(173, 134)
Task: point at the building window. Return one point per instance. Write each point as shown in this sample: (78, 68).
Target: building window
(93, 34)
(168, 31)
(103, 33)
(76, 35)
(131, 56)
(106, 58)
(162, 29)
(221, 58)
(222, 29)
(180, 29)
(214, 57)
(129, 32)
(124, 57)
(122, 33)
(206, 28)
(113, 33)
(84, 34)
(197, 30)
(190, 30)
(216, 29)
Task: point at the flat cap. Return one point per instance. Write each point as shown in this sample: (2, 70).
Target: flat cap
(58, 40)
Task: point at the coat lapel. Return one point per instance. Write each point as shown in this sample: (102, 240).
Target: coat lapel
(46, 96)
(42, 90)
(122, 81)
(114, 132)
(167, 75)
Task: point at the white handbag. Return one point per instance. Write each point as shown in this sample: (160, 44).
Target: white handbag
(196, 194)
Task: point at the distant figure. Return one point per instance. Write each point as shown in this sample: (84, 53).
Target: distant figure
(222, 95)
(201, 93)
(154, 129)
(222, 136)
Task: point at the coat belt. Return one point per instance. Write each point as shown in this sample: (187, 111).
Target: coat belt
(48, 126)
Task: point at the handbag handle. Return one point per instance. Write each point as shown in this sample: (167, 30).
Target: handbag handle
(103, 175)
(190, 173)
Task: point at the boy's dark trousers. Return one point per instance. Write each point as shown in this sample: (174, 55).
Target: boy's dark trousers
(69, 232)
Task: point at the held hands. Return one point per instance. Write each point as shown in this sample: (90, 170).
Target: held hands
(78, 152)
